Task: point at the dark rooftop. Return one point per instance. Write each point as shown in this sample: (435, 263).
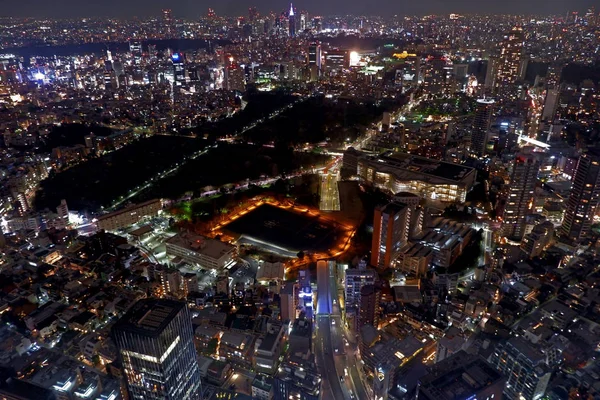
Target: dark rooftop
(149, 317)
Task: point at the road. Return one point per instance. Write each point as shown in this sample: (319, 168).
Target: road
(334, 357)
(330, 196)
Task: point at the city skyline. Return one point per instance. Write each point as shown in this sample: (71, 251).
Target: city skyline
(187, 9)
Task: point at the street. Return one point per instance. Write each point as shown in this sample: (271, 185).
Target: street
(330, 196)
(337, 361)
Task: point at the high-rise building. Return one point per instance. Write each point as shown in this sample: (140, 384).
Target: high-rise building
(356, 278)
(391, 226)
(292, 22)
(314, 57)
(524, 367)
(521, 193)
(481, 125)
(235, 78)
(368, 309)
(155, 344)
(584, 198)
(178, 68)
(509, 60)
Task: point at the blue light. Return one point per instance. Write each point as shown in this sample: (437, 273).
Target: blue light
(175, 57)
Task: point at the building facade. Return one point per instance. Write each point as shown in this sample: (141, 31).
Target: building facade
(521, 193)
(156, 349)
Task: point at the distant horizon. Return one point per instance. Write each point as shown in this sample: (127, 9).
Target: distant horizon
(186, 9)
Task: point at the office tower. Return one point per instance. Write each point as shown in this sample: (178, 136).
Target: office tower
(391, 225)
(314, 59)
(524, 367)
(521, 193)
(368, 308)
(356, 279)
(292, 22)
(481, 126)
(509, 60)
(155, 344)
(584, 197)
(178, 68)
(461, 376)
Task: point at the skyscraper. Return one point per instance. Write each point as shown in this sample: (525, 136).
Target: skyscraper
(178, 68)
(521, 193)
(156, 348)
(368, 310)
(584, 198)
(509, 60)
(481, 125)
(391, 225)
(314, 59)
(292, 21)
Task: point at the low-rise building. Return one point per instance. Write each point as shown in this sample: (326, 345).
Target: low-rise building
(201, 251)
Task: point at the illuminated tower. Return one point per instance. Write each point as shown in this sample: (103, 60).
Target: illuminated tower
(509, 61)
(155, 342)
(292, 21)
(584, 198)
(521, 193)
(168, 22)
(481, 125)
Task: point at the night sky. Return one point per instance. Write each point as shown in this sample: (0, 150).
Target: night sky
(195, 8)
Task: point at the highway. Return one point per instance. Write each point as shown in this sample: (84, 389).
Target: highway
(335, 359)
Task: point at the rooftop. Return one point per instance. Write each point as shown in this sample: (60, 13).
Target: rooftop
(149, 317)
(457, 377)
(414, 167)
(201, 245)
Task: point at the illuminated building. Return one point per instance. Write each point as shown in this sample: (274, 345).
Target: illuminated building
(425, 177)
(178, 68)
(336, 60)
(584, 198)
(297, 377)
(391, 225)
(525, 368)
(462, 375)
(356, 278)
(155, 344)
(368, 309)
(292, 22)
(235, 78)
(198, 250)
(481, 125)
(314, 59)
(509, 61)
(521, 193)
(129, 216)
